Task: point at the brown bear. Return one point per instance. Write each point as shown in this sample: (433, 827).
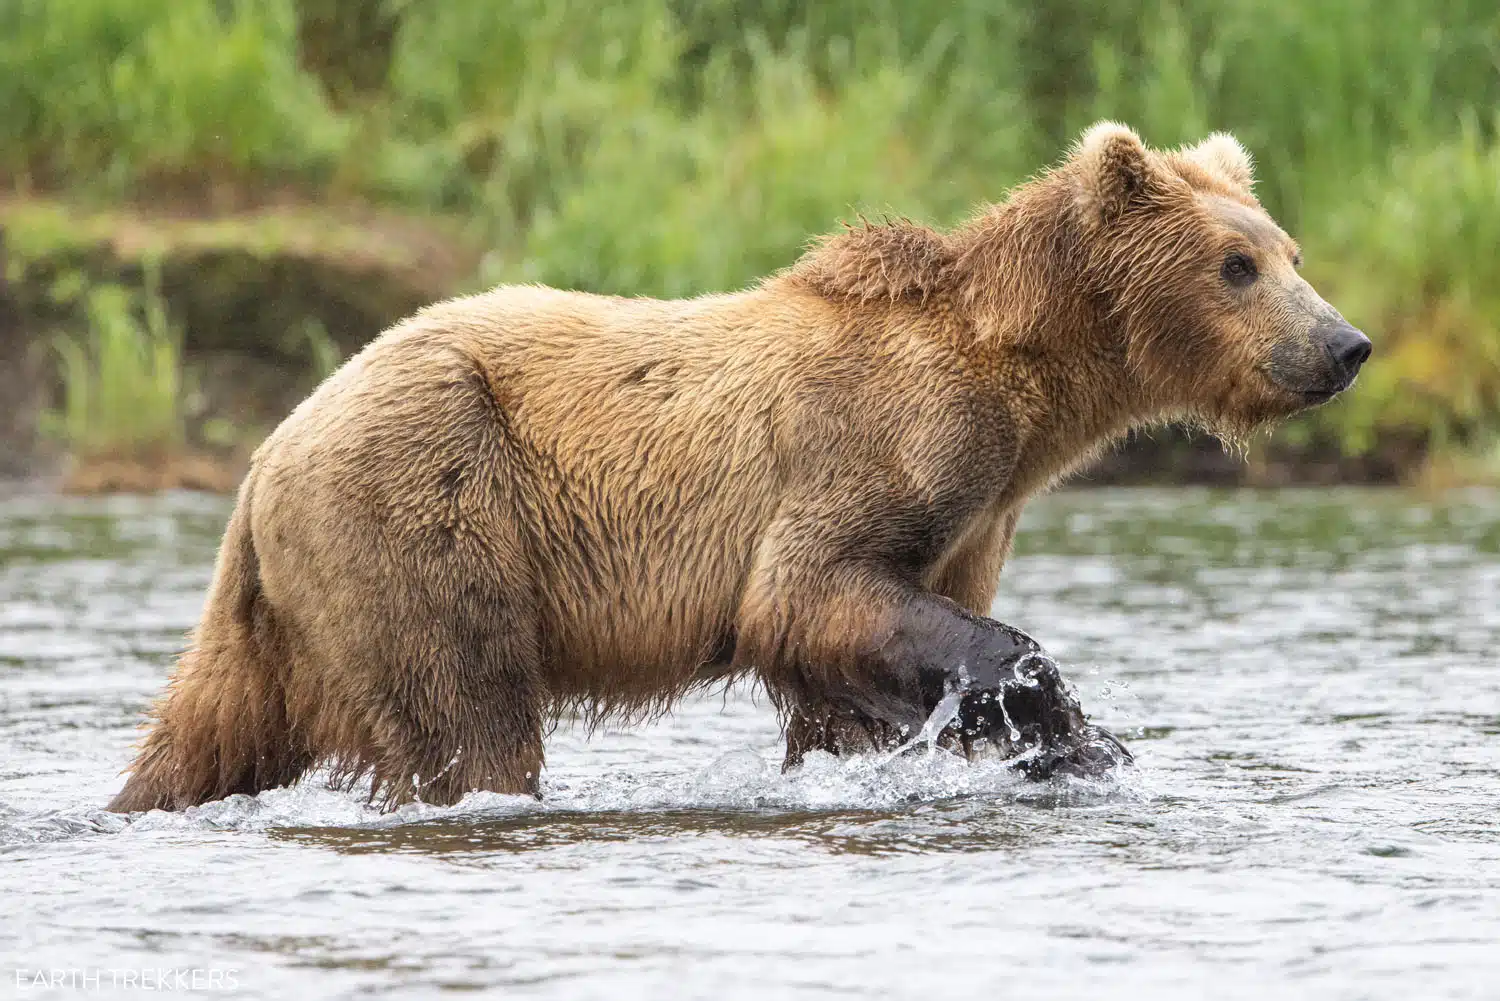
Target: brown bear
(529, 502)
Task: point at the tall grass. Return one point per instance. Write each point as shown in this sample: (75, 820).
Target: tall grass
(112, 93)
(675, 147)
(123, 380)
(502, 108)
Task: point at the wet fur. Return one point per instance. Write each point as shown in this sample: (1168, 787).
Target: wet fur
(529, 502)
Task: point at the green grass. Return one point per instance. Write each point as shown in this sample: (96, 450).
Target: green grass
(668, 147)
(114, 93)
(122, 381)
(1410, 255)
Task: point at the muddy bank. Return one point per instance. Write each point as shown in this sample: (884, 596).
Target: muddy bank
(267, 299)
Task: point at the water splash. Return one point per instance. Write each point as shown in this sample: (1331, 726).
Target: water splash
(417, 782)
(945, 712)
(1010, 725)
(743, 779)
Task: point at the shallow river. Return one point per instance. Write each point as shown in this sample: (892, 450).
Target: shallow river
(1308, 680)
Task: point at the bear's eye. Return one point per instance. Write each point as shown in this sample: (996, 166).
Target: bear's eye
(1297, 259)
(1238, 270)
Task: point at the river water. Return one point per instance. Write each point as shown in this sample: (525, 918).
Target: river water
(1308, 681)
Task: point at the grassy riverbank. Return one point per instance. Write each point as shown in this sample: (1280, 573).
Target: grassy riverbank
(298, 174)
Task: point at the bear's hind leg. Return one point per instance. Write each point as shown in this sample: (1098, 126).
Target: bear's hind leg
(429, 679)
(397, 547)
(461, 703)
(454, 710)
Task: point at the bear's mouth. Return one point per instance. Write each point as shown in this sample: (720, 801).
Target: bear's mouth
(1313, 397)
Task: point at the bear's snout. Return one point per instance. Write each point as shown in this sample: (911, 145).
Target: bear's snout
(1347, 349)
(1321, 362)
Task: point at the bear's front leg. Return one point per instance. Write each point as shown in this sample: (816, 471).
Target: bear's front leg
(1010, 697)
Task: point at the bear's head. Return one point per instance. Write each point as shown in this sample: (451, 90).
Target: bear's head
(1202, 285)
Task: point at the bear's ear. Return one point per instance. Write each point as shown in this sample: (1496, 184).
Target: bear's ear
(1115, 169)
(1222, 154)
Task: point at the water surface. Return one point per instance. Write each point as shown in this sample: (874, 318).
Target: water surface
(1307, 681)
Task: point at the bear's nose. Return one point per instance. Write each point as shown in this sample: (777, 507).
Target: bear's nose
(1346, 346)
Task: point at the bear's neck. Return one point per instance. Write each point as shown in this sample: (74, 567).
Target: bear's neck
(1016, 277)
(1057, 353)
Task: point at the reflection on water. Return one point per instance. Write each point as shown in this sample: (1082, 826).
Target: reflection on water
(1307, 681)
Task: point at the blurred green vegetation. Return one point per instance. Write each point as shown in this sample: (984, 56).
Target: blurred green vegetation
(122, 381)
(671, 147)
